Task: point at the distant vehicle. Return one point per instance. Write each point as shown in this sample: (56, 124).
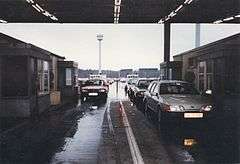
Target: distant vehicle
(123, 80)
(132, 76)
(139, 89)
(171, 100)
(110, 81)
(94, 88)
(97, 76)
(130, 85)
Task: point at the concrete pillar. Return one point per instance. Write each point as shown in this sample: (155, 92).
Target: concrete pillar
(167, 34)
(167, 30)
(197, 35)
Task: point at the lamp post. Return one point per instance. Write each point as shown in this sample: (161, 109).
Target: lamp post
(100, 38)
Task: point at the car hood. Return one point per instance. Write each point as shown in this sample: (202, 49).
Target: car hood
(189, 102)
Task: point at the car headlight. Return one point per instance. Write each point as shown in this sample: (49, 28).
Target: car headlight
(176, 108)
(102, 90)
(84, 90)
(206, 108)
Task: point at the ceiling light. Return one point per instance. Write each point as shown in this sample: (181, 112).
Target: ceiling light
(2, 21)
(228, 19)
(237, 16)
(35, 7)
(218, 21)
(30, 1)
(179, 8)
(190, 1)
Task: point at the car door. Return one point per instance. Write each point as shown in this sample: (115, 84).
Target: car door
(147, 94)
(155, 98)
(151, 97)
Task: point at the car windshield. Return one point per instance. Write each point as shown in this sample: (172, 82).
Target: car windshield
(178, 88)
(143, 84)
(94, 82)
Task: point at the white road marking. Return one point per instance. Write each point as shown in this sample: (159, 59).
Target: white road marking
(135, 152)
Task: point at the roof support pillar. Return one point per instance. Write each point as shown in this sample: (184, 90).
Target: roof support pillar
(197, 35)
(167, 30)
(167, 34)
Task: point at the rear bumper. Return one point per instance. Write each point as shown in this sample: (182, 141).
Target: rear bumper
(99, 94)
(186, 116)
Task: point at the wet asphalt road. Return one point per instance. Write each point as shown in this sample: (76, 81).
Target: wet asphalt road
(79, 133)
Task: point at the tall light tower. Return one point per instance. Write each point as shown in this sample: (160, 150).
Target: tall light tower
(100, 38)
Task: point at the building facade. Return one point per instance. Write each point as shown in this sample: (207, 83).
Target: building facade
(215, 66)
(29, 78)
(124, 72)
(148, 73)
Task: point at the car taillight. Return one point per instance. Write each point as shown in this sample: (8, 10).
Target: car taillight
(102, 90)
(166, 108)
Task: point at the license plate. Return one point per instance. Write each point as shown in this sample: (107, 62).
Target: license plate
(92, 94)
(193, 115)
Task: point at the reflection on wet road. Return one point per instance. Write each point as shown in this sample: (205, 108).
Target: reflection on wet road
(73, 134)
(83, 146)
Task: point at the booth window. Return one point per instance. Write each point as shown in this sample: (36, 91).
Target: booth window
(14, 76)
(43, 77)
(68, 76)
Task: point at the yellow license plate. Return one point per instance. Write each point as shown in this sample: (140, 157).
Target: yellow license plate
(193, 115)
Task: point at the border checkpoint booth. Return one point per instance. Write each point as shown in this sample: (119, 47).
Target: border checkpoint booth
(24, 78)
(68, 80)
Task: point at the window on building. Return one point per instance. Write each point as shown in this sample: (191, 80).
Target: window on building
(68, 76)
(14, 76)
(205, 75)
(191, 62)
(209, 74)
(43, 77)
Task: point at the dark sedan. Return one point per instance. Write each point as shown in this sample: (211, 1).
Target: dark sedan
(171, 100)
(94, 88)
(139, 89)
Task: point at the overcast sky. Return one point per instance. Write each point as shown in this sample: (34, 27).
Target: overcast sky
(124, 45)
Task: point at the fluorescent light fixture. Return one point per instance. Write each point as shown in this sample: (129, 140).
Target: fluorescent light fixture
(2, 21)
(39, 7)
(167, 18)
(116, 13)
(172, 14)
(186, 1)
(117, 2)
(47, 14)
(228, 19)
(179, 8)
(190, 1)
(161, 21)
(30, 1)
(237, 16)
(35, 7)
(53, 18)
(218, 21)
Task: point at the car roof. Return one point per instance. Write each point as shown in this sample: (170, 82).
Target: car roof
(148, 79)
(170, 81)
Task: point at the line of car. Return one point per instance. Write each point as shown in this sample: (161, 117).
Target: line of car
(169, 100)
